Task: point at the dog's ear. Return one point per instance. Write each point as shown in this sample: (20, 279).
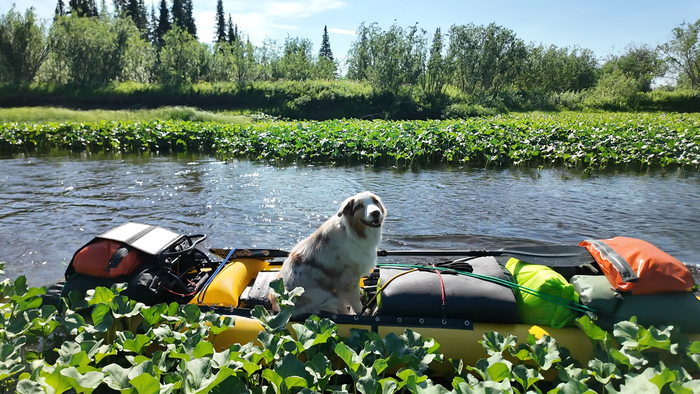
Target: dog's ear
(347, 207)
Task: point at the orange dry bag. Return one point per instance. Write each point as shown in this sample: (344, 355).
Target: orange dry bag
(106, 258)
(639, 267)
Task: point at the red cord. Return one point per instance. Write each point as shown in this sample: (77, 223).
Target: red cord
(442, 287)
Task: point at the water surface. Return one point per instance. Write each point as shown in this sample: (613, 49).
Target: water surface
(50, 206)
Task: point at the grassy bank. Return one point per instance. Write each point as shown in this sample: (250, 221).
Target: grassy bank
(323, 100)
(634, 140)
(64, 115)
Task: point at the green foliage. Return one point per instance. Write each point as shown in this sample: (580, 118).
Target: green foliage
(183, 59)
(23, 46)
(594, 141)
(92, 51)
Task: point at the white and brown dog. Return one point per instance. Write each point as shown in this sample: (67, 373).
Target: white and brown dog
(330, 262)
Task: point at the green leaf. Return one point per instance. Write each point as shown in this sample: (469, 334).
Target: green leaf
(291, 366)
(274, 378)
(389, 385)
(494, 342)
(352, 359)
(603, 372)
(146, 384)
(26, 386)
(203, 349)
(137, 344)
(83, 382)
(526, 376)
(102, 316)
(117, 377)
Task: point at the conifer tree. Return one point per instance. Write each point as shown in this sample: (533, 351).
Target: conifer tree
(190, 26)
(60, 9)
(232, 31)
(163, 23)
(325, 50)
(220, 22)
(153, 26)
(178, 13)
(137, 11)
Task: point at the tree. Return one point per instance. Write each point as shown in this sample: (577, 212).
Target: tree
(60, 9)
(486, 59)
(359, 60)
(23, 45)
(153, 26)
(220, 22)
(325, 50)
(436, 73)
(296, 62)
(557, 70)
(178, 13)
(640, 63)
(683, 54)
(83, 8)
(92, 50)
(163, 24)
(183, 59)
(189, 24)
(232, 34)
(137, 11)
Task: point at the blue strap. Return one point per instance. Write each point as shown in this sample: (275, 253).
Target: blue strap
(202, 293)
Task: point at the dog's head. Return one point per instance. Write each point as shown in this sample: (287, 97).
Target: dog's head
(363, 210)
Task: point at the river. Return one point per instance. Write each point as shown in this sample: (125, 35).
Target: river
(51, 205)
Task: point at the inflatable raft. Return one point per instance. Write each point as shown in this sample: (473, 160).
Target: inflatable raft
(454, 297)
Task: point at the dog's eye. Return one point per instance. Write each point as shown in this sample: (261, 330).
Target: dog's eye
(359, 206)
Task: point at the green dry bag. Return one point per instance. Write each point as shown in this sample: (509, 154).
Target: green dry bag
(535, 309)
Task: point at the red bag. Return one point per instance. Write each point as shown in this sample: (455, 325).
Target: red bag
(106, 259)
(624, 259)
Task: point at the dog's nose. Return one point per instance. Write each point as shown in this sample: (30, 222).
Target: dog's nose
(375, 214)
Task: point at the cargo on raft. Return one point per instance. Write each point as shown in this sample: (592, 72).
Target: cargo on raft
(452, 296)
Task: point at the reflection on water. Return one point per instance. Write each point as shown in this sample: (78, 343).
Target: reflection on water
(50, 206)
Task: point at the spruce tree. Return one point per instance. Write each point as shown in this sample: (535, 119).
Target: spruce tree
(178, 12)
(220, 22)
(163, 23)
(325, 50)
(189, 18)
(232, 31)
(153, 26)
(60, 9)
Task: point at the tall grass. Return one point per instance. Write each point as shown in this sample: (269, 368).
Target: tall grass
(56, 114)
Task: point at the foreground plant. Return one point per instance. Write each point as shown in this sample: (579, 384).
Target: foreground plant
(105, 342)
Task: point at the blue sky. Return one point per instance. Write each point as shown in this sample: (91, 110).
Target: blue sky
(604, 26)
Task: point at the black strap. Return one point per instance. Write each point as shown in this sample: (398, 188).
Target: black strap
(118, 256)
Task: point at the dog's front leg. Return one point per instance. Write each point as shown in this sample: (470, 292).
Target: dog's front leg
(351, 295)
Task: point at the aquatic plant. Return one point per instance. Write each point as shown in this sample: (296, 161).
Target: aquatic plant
(594, 141)
(105, 341)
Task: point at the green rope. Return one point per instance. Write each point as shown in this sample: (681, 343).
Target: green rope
(503, 282)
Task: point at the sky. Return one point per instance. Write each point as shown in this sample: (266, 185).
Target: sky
(604, 26)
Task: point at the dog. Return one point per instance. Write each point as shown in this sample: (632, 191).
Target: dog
(330, 262)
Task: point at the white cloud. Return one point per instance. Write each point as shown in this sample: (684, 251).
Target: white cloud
(265, 18)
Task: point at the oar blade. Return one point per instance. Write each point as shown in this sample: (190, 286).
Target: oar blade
(250, 253)
(551, 255)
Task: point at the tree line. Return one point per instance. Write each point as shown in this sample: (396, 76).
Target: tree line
(488, 64)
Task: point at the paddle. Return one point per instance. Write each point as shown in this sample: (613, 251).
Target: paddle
(549, 255)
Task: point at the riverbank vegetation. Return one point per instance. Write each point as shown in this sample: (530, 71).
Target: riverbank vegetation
(634, 141)
(107, 343)
(127, 61)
